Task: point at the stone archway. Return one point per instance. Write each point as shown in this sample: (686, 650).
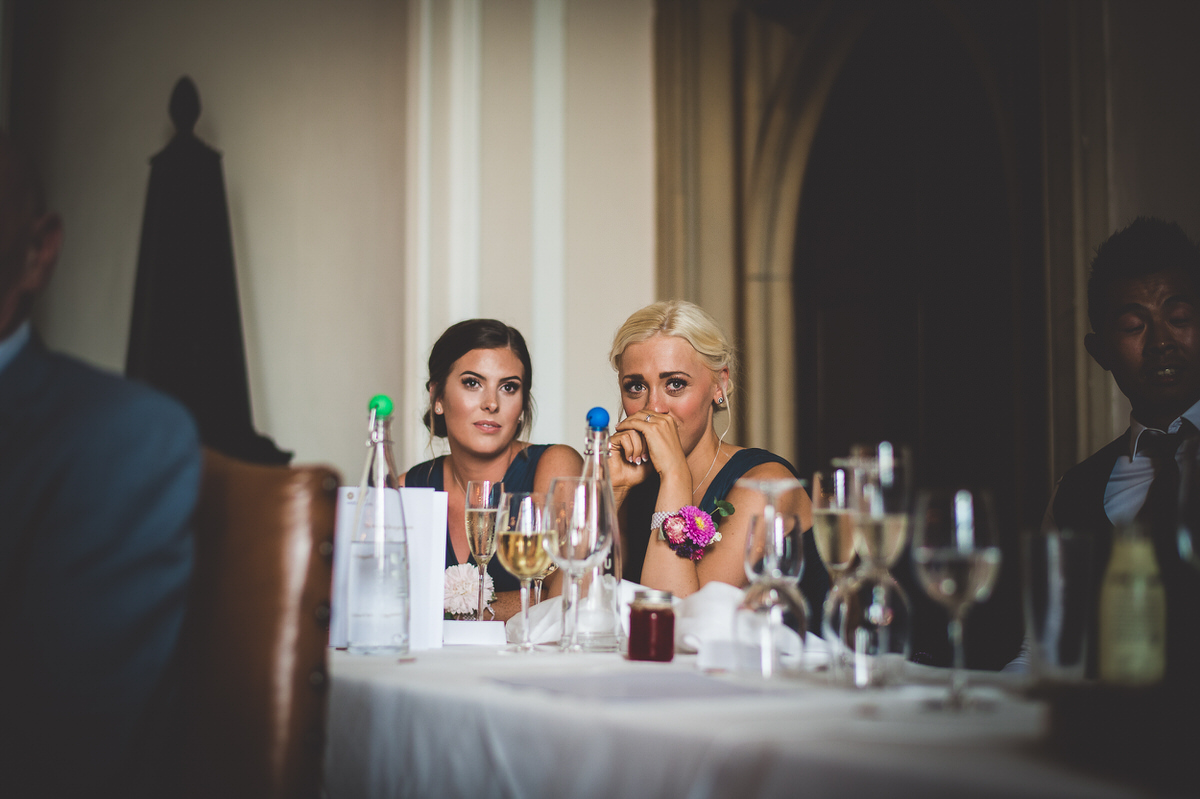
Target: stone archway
(790, 60)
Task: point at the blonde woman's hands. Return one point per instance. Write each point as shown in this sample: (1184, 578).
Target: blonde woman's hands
(628, 459)
(646, 441)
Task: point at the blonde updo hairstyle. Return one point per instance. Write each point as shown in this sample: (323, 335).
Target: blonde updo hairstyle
(689, 322)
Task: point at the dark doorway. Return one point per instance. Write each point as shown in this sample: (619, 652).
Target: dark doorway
(918, 275)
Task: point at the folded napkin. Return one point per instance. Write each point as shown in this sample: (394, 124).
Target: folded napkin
(545, 618)
(705, 623)
(706, 615)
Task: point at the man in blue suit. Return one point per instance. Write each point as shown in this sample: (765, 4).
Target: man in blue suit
(98, 480)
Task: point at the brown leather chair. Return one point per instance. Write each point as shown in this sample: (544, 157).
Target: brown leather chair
(254, 647)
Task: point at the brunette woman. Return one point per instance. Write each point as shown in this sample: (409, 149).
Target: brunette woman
(480, 378)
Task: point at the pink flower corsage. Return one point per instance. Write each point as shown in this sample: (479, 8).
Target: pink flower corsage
(688, 531)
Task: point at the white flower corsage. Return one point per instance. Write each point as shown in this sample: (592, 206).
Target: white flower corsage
(461, 595)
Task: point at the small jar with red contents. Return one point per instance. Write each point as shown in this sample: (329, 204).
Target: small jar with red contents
(651, 626)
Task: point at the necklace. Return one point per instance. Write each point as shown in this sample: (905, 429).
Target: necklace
(706, 474)
(454, 472)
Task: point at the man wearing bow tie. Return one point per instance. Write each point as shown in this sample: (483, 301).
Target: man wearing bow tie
(98, 480)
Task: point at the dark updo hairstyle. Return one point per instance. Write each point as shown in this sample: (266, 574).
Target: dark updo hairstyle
(476, 334)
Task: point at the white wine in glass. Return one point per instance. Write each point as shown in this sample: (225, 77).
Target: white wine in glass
(524, 554)
(958, 580)
(957, 558)
(833, 531)
(482, 503)
(881, 539)
(834, 522)
(523, 545)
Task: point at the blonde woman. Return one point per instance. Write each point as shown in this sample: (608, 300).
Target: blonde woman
(675, 371)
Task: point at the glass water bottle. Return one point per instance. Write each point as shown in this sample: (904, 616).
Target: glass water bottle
(601, 627)
(377, 594)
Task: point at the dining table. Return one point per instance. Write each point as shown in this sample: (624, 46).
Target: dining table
(478, 722)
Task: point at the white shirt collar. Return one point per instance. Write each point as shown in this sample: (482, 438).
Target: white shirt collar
(1136, 428)
(10, 346)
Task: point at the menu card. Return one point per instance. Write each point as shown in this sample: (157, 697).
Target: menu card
(425, 529)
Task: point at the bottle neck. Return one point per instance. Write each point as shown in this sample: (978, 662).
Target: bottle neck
(382, 462)
(595, 453)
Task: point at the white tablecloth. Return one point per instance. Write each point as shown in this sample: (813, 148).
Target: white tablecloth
(470, 722)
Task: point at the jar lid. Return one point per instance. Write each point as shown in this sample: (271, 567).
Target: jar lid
(650, 595)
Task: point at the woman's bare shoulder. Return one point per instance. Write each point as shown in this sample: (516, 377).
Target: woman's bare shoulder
(772, 470)
(559, 460)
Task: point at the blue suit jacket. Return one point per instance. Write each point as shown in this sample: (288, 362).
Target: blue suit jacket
(98, 480)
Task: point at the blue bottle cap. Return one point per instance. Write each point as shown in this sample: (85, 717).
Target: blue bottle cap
(597, 419)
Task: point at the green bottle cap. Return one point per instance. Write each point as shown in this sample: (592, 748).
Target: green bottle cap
(381, 404)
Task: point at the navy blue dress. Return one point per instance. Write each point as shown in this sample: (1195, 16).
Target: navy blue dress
(640, 502)
(519, 477)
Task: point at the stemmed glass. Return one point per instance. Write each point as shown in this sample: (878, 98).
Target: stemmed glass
(539, 579)
(774, 562)
(876, 615)
(833, 531)
(583, 519)
(482, 504)
(522, 544)
(957, 558)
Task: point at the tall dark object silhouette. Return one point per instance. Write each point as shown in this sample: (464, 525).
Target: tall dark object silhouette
(186, 335)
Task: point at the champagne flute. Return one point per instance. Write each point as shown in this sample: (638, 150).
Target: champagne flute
(482, 504)
(957, 559)
(774, 562)
(523, 547)
(583, 518)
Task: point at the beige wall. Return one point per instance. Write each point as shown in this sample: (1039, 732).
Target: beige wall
(531, 189)
(317, 109)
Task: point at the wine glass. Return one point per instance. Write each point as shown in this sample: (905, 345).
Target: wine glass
(482, 504)
(539, 579)
(774, 562)
(957, 558)
(582, 516)
(875, 613)
(833, 531)
(523, 547)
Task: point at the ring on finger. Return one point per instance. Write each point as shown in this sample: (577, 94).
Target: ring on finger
(647, 417)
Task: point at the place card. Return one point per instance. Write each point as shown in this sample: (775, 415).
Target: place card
(477, 633)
